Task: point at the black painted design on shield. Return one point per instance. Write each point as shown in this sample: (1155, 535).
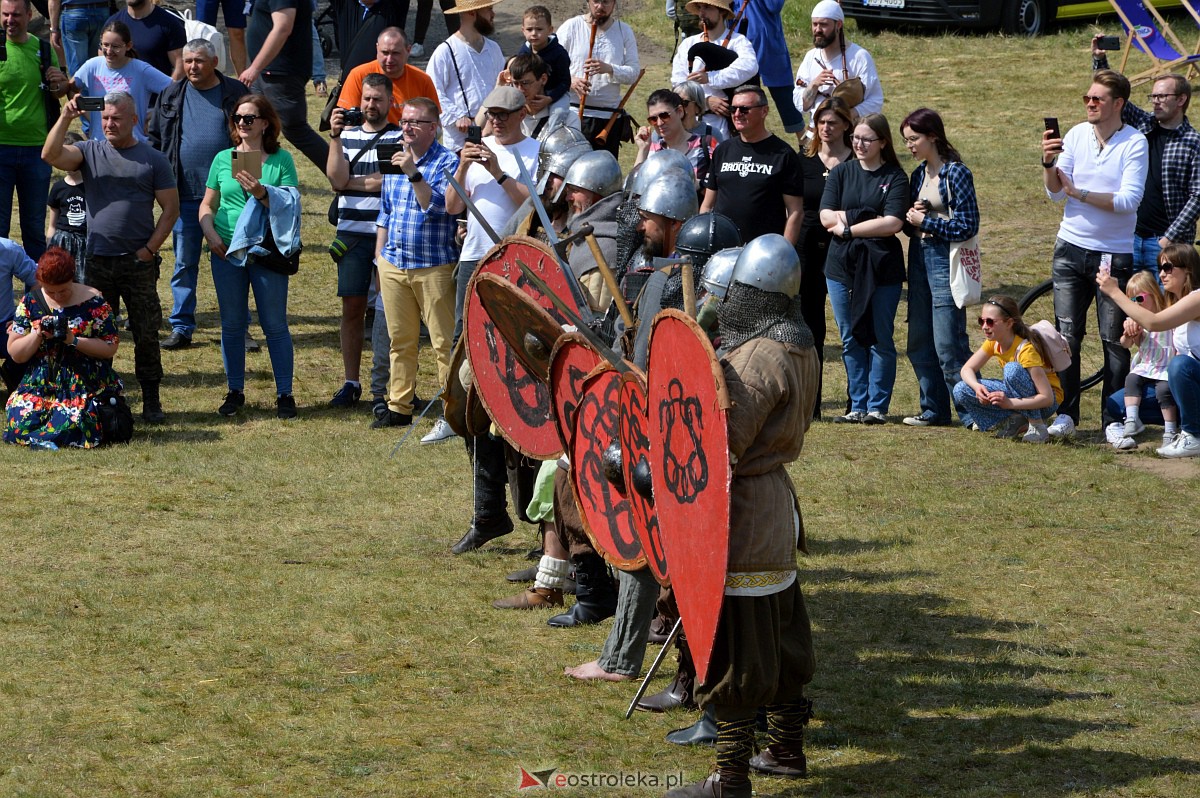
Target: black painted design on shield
(639, 449)
(529, 396)
(684, 464)
(599, 418)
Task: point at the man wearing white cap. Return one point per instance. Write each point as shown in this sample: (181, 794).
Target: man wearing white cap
(604, 57)
(464, 69)
(715, 16)
(832, 61)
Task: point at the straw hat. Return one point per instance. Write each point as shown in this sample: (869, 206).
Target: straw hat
(470, 5)
(724, 5)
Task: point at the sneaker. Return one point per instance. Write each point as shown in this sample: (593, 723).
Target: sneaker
(176, 340)
(853, 417)
(285, 406)
(417, 50)
(379, 406)
(875, 417)
(1186, 445)
(441, 431)
(1125, 445)
(251, 344)
(1013, 427)
(1134, 427)
(391, 418)
(1168, 444)
(347, 396)
(1063, 426)
(1036, 434)
(1115, 431)
(234, 401)
(927, 418)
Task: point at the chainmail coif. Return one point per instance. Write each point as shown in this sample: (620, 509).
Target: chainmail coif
(629, 238)
(748, 312)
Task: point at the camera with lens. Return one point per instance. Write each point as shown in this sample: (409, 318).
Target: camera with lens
(352, 117)
(55, 326)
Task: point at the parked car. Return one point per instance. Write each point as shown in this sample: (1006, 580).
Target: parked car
(1021, 17)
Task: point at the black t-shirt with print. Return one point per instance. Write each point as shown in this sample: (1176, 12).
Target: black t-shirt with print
(751, 180)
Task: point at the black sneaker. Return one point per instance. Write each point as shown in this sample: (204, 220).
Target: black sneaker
(234, 401)
(379, 407)
(285, 406)
(176, 340)
(347, 396)
(392, 419)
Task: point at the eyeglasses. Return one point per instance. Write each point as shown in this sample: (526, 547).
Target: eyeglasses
(663, 117)
(734, 110)
(1166, 268)
(984, 321)
(245, 119)
(1088, 99)
(117, 46)
(499, 116)
(864, 142)
(525, 84)
(1158, 98)
(415, 122)
(912, 139)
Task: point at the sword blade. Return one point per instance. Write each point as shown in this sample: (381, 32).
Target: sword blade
(662, 654)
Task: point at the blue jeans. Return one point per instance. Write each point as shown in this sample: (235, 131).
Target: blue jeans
(1149, 410)
(464, 273)
(870, 372)
(23, 169)
(1074, 273)
(80, 27)
(187, 238)
(937, 328)
(1183, 375)
(233, 285)
(1145, 254)
(1017, 384)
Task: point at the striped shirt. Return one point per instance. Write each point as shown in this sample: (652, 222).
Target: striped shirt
(358, 210)
(419, 238)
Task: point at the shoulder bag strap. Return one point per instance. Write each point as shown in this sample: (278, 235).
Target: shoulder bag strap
(370, 145)
(461, 87)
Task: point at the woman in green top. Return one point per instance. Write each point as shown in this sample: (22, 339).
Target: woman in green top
(255, 127)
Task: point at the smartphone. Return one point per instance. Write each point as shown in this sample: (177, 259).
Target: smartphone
(1052, 126)
(247, 161)
(1109, 43)
(1106, 263)
(386, 150)
(475, 134)
(90, 103)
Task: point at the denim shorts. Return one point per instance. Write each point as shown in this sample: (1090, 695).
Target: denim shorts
(357, 266)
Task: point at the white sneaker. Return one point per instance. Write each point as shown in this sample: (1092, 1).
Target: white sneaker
(417, 50)
(1036, 434)
(1125, 445)
(441, 431)
(1062, 427)
(1186, 445)
(1115, 431)
(1133, 427)
(1168, 444)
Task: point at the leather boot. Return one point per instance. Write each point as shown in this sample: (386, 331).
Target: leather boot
(702, 732)
(524, 575)
(482, 530)
(660, 629)
(784, 754)
(735, 743)
(534, 598)
(595, 594)
(152, 411)
(676, 694)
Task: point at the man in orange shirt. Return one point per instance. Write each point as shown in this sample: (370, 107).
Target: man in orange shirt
(391, 58)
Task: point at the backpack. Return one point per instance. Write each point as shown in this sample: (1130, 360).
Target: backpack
(49, 101)
(1054, 343)
(202, 30)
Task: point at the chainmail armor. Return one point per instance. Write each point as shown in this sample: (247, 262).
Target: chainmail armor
(750, 312)
(629, 238)
(672, 296)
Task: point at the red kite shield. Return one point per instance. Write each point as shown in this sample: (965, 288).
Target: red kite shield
(571, 362)
(635, 466)
(691, 472)
(603, 505)
(516, 400)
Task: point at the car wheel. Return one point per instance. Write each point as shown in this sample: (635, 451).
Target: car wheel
(1026, 17)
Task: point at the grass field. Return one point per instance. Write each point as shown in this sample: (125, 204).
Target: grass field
(260, 608)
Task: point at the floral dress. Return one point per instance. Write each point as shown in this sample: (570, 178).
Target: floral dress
(54, 406)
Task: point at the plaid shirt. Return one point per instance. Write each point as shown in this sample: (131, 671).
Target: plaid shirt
(419, 238)
(957, 190)
(1180, 171)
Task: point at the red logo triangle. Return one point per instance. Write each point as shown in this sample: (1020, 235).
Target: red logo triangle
(528, 781)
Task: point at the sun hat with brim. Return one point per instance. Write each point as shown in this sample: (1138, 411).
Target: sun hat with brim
(724, 5)
(470, 5)
(506, 98)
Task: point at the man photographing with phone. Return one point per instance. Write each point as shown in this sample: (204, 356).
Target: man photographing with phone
(1099, 168)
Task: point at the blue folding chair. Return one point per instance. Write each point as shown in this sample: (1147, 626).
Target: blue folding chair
(1146, 29)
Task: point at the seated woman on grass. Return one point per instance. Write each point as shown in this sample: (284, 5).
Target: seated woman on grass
(1030, 387)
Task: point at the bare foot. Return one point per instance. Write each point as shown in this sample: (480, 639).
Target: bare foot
(592, 670)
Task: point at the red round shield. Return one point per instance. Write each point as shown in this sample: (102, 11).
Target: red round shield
(571, 363)
(529, 331)
(635, 465)
(516, 400)
(603, 505)
(691, 472)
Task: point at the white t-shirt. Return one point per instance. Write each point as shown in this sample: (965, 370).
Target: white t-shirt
(462, 91)
(740, 71)
(858, 63)
(489, 197)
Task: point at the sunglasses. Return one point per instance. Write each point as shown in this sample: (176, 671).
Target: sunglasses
(245, 119)
(984, 321)
(1142, 297)
(663, 117)
(1166, 268)
(1088, 99)
(734, 110)
(499, 116)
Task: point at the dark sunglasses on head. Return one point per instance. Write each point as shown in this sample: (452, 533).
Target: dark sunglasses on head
(245, 119)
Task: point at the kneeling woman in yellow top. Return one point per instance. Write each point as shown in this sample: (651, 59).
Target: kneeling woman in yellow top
(1030, 387)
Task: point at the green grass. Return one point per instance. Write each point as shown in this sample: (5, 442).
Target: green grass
(251, 607)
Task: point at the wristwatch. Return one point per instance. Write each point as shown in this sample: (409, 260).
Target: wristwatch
(846, 233)
(416, 177)
(500, 180)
